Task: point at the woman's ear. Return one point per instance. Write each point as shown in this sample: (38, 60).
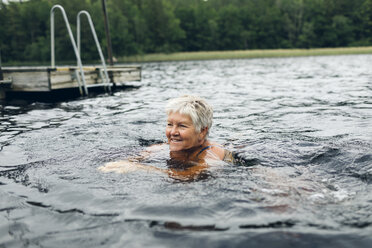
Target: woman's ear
(203, 134)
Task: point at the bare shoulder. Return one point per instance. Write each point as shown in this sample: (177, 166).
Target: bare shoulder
(218, 150)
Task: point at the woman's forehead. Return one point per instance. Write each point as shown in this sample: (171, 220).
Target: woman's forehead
(178, 117)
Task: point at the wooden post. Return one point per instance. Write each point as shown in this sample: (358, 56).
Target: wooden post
(1, 71)
(2, 94)
(107, 30)
(2, 91)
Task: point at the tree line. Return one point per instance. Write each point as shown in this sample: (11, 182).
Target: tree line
(165, 26)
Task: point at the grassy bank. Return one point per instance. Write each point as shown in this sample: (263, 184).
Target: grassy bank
(242, 54)
(269, 53)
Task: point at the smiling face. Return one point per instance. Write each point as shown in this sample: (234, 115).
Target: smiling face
(181, 132)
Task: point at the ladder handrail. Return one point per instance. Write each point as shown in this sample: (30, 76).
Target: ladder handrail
(72, 42)
(96, 41)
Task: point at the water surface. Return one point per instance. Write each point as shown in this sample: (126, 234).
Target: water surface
(300, 126)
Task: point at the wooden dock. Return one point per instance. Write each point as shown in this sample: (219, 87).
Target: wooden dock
(47, 79)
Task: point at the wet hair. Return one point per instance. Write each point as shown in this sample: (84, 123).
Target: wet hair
(200, 112)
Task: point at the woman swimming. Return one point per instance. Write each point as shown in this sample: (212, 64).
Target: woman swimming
(188, 124)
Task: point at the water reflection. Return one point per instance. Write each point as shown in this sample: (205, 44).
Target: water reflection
(300, 129)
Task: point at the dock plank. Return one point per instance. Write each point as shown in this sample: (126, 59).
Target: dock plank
(44, 79)
(28, 80)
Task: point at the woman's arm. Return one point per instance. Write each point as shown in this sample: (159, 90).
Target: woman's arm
(126, 166)
(191, 172)
(133, 163)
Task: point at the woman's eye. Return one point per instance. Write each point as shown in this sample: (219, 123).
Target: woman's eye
(169, 124)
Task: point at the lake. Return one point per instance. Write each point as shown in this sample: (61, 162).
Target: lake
(300, 127)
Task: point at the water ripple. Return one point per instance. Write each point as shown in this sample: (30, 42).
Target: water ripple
(299, 129)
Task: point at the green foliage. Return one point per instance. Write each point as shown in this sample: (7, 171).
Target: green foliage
(164, 26)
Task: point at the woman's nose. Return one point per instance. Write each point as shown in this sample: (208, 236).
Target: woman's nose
(174, 130)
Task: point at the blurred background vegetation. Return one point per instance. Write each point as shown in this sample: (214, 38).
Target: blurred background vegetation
(140, 27)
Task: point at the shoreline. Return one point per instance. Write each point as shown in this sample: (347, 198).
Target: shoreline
(244, 54)
(215, 55)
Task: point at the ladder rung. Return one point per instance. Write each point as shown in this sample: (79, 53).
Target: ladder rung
(99, 85)
(5, 83)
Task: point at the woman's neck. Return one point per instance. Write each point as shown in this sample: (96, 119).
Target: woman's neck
(188, 154)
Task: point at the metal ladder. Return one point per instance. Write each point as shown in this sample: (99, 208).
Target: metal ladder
(53, 65)
(81, 82)
(104, 76)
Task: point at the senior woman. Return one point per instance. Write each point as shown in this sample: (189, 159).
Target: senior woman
(188, 124)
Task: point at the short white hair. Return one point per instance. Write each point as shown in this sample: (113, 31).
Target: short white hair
(200, 112)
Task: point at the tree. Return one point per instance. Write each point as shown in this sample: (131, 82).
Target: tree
(230, 29)
(164, 30)
(200, 27)
(148, 26)
(293, 15)
(365, 27)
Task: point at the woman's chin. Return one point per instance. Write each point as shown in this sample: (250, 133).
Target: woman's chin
(174, 148)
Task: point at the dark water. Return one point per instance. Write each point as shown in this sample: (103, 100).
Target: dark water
(301, 127)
